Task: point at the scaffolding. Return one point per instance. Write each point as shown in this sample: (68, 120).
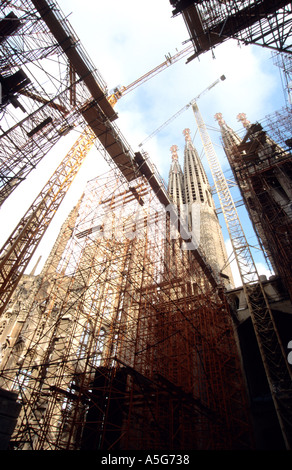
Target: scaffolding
(284, 63)
(42, 93)
(122, 341)
(20, 246)
(125, 340)
(266, 23)
(262, 170)
(49, 87)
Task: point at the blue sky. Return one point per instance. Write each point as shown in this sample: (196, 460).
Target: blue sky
(127, 39)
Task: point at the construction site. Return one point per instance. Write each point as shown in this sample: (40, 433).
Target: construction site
(134, 336)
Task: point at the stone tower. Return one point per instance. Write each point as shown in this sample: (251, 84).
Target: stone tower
(176, 179)
(192, 189)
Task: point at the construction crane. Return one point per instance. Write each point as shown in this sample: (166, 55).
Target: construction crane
(182, 110)
(119, 91)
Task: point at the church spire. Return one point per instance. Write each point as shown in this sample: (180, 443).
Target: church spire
(192, 189)
(176, 179)
(229, 138)
(196, 182)
(174, 155)
(198, 194)
(241, 117)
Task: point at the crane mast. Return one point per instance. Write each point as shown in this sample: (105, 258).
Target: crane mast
(270, 346)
